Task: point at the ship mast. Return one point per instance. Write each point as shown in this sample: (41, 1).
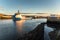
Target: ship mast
(18, 12)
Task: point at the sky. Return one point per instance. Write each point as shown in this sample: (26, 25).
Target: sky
(29, 6)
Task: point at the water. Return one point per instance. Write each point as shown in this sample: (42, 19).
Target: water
(8, 28)
(47, 30)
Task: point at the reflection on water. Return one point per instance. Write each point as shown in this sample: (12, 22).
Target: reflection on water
(47, 30)
(19, 25)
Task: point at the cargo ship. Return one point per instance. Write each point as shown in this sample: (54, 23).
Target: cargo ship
(17, 16)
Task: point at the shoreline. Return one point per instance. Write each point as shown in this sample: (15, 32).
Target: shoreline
(5, 19)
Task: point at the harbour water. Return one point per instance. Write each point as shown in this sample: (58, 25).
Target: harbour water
(8, 28)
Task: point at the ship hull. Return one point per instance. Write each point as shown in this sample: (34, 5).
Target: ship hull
(16, 19)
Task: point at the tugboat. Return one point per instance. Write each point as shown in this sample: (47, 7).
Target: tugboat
(17, 16)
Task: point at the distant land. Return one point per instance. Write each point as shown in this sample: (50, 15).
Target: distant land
(4, 16)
